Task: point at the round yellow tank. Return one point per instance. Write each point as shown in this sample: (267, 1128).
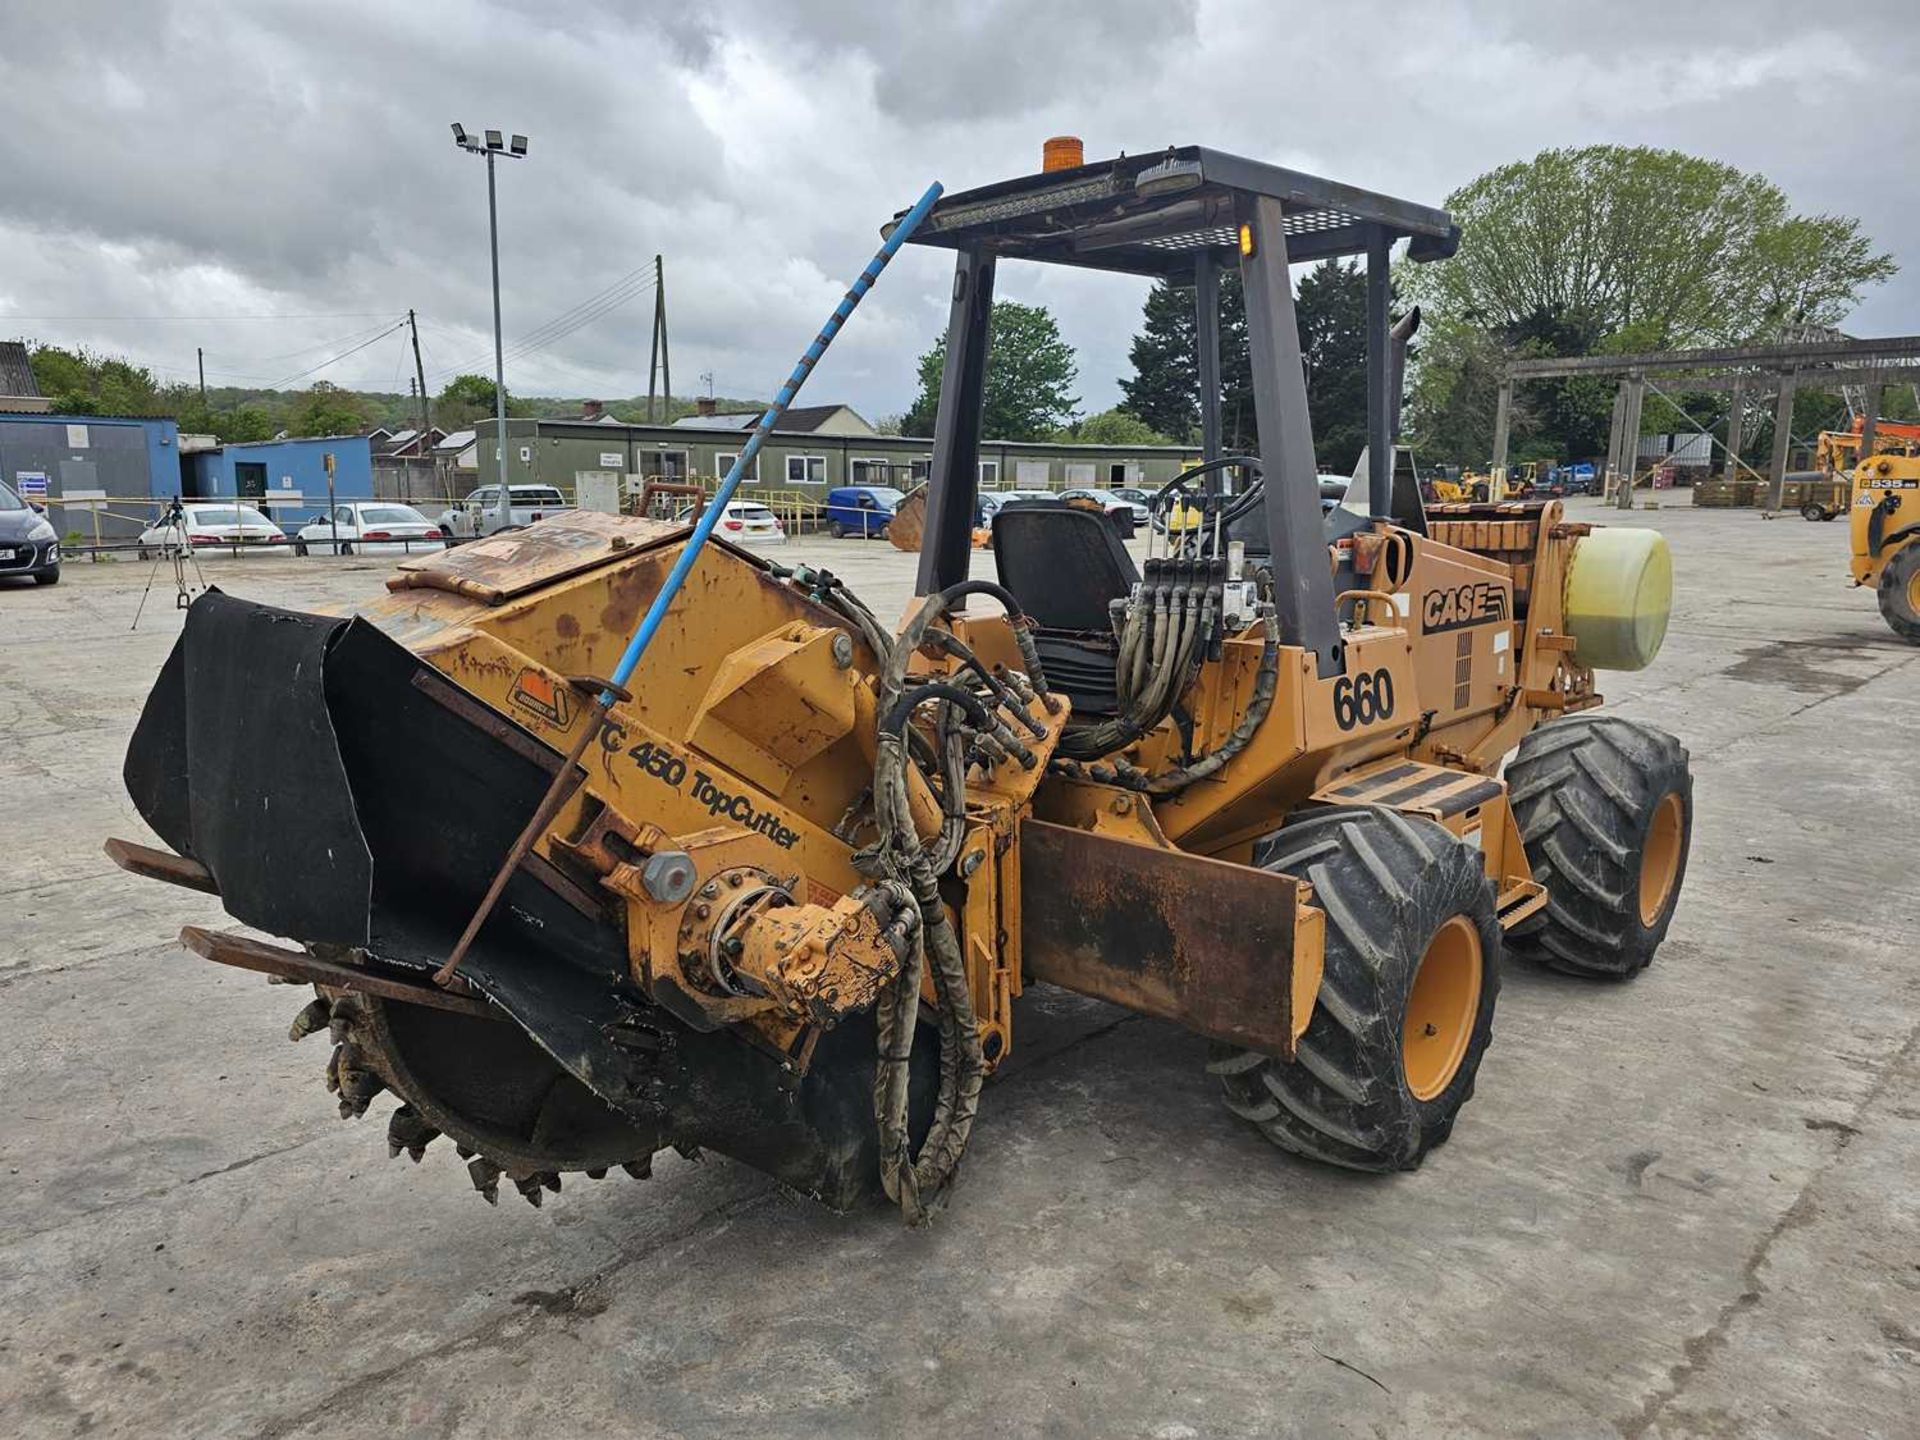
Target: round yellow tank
(1619, 594)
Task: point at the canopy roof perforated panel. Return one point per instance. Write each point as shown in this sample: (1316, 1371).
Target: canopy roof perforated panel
(1156, 214)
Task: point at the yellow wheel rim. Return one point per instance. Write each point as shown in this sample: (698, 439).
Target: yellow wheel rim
(1913, 593)
(1441, 1008)
(1660, 860)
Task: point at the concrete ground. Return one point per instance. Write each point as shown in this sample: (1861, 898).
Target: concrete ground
(1682, 1206)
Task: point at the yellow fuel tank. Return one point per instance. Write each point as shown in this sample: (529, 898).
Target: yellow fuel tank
(1619, 595)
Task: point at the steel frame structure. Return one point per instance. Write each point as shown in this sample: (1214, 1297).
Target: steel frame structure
(1180, 215)
(1782, 369)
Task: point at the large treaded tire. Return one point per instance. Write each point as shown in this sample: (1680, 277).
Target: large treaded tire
(1388, 883)
(1589, 794)
(1897, 578)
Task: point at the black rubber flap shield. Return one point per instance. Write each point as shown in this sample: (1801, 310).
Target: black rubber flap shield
(236, 742)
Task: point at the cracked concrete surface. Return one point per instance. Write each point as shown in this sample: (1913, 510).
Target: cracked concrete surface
(1682, 1206)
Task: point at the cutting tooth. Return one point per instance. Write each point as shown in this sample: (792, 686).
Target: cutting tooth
(464, 1151)
(551, 1179)
(407, 1131)
(529, 1189)
(313, 1018)
(598, 1173)
(333, 1069)
(641, 1169)
(486, 1179)
(690, 1152)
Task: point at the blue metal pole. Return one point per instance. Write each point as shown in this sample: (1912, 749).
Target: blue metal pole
(650, 624)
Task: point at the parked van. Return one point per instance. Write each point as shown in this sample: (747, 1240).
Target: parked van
(861, 510)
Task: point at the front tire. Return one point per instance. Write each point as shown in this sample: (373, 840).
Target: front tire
(1412, 969)
(1811, 511)
(1605, 807)
(48, 577)
(836, 530)
(1900, 592)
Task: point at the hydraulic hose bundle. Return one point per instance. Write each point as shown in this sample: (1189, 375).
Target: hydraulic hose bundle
(1174, 620)
(972, 726)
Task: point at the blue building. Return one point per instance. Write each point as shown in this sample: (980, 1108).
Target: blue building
(258, 471)
(45, 456)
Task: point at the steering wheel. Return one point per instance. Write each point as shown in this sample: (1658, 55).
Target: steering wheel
(1161, 507)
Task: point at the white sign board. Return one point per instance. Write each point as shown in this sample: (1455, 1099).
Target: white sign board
(282, 497)
(31, 483)
(82, 499)
(597, 490)
(76, 437)
(612, 460)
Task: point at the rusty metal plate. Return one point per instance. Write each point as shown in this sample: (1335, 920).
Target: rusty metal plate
(514, 562)
(1200, 942)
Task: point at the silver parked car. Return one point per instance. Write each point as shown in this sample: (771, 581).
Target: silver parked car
(474, 516)
(209, 526)
(379, 526)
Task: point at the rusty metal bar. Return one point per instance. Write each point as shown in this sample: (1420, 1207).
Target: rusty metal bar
(152, 864)
(246, 954)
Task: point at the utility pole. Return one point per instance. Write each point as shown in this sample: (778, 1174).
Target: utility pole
(426, 410)
(661, 364)
(420, 377)
(200, 355)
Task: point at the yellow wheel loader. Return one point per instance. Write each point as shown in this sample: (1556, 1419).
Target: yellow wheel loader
(1301, 787)
(1885, 533)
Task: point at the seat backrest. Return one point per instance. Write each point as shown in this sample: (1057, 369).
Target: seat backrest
(1062, 564)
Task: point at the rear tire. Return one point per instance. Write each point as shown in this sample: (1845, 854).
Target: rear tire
(1605, 806)
(836, 530)
(1412, 968)
(1811, 511)
(1900, 592)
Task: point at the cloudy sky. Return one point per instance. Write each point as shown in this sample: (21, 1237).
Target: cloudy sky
(277, 182)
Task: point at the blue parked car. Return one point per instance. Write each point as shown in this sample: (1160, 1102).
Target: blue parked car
(861, 510)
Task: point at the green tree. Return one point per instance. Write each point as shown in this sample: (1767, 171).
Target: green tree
(82, 383)
(1164, 389)
(326, 409)
(468, 398)
(1612, 249)
(1111, 427)
(1331, 307)
(1030, 377)
(236, 427)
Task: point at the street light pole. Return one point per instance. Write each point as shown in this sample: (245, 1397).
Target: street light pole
(517, 150)
(503, 515)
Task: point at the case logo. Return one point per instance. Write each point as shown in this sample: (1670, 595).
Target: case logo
(1480, 603)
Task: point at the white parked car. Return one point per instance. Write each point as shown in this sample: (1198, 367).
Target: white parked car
(210, 526)
(379, 526)
(747, 522)
(474, 516)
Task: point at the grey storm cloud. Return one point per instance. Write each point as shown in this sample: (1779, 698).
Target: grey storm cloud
(175, 166)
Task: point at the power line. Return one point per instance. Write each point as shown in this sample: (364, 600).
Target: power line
(629, 286)
(313, 369)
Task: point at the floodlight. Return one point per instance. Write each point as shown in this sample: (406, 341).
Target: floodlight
(459, 133)
(519, 145)
(493, 140)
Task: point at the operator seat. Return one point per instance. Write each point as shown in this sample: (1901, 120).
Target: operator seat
(1065, 566)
